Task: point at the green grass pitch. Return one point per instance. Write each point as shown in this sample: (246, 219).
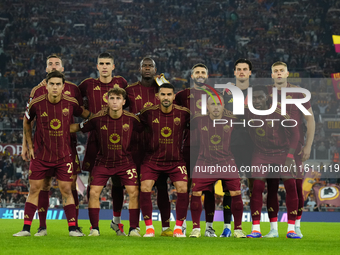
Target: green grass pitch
(319, 238)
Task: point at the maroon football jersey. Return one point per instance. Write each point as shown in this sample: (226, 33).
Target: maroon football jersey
(165, 131)
(271, 138)
(96, 92)
(70, 90)
(52, 134)
(292, 110)
(191, 99)
(140, 97)
(114, 137)
(214, 142)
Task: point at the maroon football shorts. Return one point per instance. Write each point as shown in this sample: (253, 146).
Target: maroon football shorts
(63, 170)
(207, 184)
(270, 166)
(127, 174)
(176, 172)
(92, 149)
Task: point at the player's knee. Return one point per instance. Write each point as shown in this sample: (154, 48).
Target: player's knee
(94, 194)
(133, 193)
(197, 193)
(235, 193)
(182, 188)
(145, 187)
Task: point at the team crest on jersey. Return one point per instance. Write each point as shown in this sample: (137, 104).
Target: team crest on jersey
(177, 121)
(114, 138)
(105, 98)
(260, 132)
(226, 128)
(199, 103)
(55, 124)
(126, 127)
(215, 139)
(67, 93)
(148, 104)
(66, 112)
(166, 132)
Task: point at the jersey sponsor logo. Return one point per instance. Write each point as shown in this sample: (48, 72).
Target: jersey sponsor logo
(215, 139)
(41, 209)
(67, 93)
(260, 132)
(138, 97)
(55, 124)
(72, 219)
(66, 112)
(104, 127)
(97, 88)
(126, 127)
(44, 115)
(177, 121)
(231, 100)
(199, 103)
(270, 209)
(204, 128)
(26, 216)
(105, 97)
(191, 96)
(114, 138)
(166, 132)
(148, 104)
(116, 85)
(293, 212)
(155, 121)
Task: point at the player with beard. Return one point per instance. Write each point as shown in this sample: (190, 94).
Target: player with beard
(95, 92)
(166, 123)
(241, 145)
(54, 63)
(280, 74)
(191, 98)
(214, 150)
(275, 146)
(143, 94)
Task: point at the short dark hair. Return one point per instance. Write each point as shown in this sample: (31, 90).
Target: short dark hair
(54, 56)
(245, 61)
(106, 55)
(147, 58)
(55, 74)
(261, 88)
(167, 86)
(199, 65)
(117, 91)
